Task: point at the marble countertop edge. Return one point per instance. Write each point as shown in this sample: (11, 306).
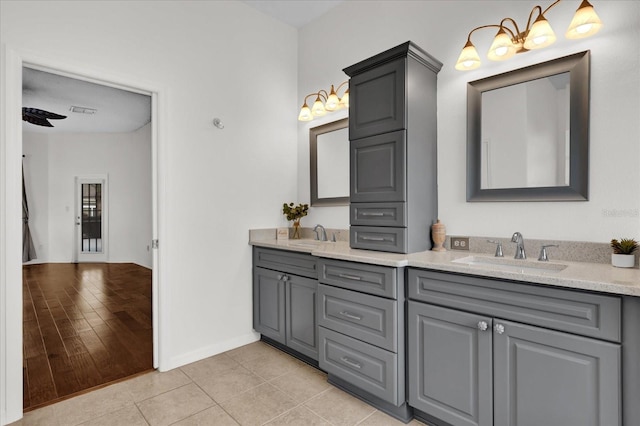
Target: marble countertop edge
(597, 277)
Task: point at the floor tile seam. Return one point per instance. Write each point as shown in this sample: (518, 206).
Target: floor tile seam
(238, 394)
(162, 393)
(314, 411)
(286, 393)
(193, 378)
(284, 413)
(366, 417)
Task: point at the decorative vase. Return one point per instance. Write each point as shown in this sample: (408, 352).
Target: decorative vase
(296, 229)
(439, 235)
(623, 260)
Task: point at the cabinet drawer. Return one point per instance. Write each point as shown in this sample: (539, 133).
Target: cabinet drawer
(286, 261)
(378, 214)
(368, 367)
(393, 240)
(372, 279)
(587, 314)
(371, 319)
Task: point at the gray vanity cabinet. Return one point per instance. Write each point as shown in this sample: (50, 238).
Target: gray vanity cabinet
(508, 354)
(284, 301)
(393, 159)
(450, 365)
(361, 314)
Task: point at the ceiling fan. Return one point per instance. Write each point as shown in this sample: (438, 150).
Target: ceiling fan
(40, 117)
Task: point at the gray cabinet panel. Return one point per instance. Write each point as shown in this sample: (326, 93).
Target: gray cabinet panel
(286, 261)
(378, 214)
(301, 318)
(377, 100)
(379, 238)
(587, 314)
(544, 377)
(368, 318)
(372, 279)
(368, 367)
(269, 304)
(377, 171)
(450, 365)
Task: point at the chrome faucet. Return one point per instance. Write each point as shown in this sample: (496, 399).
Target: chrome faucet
(321, 233)
(517, 238)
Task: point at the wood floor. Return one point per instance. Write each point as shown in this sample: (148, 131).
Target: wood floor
(85, 325)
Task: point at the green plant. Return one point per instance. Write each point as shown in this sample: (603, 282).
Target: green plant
(624, 246)
(294, 213)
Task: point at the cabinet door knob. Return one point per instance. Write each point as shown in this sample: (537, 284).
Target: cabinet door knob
(285, 278)
(498, 328)
(280, 277)
(482, 326)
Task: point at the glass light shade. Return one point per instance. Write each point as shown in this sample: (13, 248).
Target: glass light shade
(318, 109)
(468, 59)
(502, 47)
(585, 22)
(540, 35)
(344, 102)
(333, 101)
(305, 114)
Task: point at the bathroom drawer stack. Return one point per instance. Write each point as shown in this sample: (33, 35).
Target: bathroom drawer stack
(392, 133)
(361, 332)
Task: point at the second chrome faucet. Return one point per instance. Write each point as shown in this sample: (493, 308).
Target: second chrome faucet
(519, 240)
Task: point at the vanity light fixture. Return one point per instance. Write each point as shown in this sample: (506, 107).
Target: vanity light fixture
(325, 102)
(509, 41)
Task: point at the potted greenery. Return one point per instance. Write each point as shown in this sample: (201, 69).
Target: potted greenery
(295, 214)
(623, 256)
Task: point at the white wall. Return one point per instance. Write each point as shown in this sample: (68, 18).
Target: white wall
(441, 28)
(207, 59)
(52, 163)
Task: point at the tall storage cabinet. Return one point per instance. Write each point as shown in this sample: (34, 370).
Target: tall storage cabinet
(393, 156)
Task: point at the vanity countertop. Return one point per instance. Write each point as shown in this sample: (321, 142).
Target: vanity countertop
(579, 275)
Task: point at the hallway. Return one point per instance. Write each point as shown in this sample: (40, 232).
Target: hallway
(84, 325)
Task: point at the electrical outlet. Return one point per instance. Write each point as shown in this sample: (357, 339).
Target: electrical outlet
(460, 243)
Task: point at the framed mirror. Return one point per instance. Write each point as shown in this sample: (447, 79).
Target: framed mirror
(329, 154)
(528, 133)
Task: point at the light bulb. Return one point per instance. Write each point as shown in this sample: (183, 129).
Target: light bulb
(502, 47)
(305, 113)
(585, 22)
(540, 35)
(468, 58)
(318, 109)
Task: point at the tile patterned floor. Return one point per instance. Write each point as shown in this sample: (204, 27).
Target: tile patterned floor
(251, 385)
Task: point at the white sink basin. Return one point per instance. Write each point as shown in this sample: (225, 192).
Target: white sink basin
(511, 265)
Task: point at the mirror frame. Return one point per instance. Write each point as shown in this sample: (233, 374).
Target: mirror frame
(578, 66)
(314, 132)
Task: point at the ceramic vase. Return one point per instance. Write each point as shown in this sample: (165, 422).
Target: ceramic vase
(623, 260)
(438, 235)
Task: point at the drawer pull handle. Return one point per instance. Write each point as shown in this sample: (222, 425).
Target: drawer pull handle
(373, 238)
(377, 214)
(351, 362)
(350, 315)
(350, 277)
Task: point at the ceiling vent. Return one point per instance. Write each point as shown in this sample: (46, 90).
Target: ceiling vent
(83, 110)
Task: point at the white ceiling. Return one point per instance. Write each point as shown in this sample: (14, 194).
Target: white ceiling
(296, 13)
(118, 111)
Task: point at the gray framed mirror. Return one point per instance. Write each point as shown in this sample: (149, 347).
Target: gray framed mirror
(528, 133)
(329, 154)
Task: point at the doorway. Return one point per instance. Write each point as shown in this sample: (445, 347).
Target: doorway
(87, 318)
(92, 219)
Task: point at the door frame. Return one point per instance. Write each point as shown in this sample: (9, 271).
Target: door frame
(11, 386)
(78, 255)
